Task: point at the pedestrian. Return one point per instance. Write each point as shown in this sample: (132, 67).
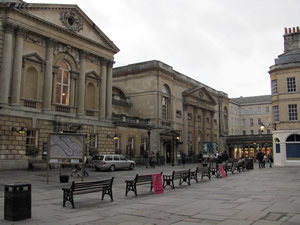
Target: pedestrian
(225, 156)
(183, 157)
(147, 159)
(260, 158)
(153, 160)
(85, 165)
(270, 159)
(265, 160)
(178, 158)
(158, 157)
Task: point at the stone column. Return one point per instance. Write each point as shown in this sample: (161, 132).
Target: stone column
(81, 85)
(6, 63)
(102, 98)
(212, 126)
(185, 129)
(204, 124)
(48, 75)
(109, 90)
(17, 68)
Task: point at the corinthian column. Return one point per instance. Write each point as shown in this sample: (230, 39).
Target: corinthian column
(17, 68)
(48, 75)
(109, 90)
(6, 63)
(81, 84)
(102, 104)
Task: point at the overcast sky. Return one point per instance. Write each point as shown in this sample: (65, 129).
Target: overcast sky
(228, 45)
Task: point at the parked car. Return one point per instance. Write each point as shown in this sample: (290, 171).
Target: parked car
(112, 162)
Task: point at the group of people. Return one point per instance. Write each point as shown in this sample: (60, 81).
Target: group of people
(151, 159)
(263, 158)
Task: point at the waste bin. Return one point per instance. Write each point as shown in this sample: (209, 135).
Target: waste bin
(17, 202)
(250, 165)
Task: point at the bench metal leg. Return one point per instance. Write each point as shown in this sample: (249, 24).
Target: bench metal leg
(68, 196)
(107, 191)
(130, 186)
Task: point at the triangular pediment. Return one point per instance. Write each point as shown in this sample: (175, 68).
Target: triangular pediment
(34, 57)
(198, 95)
(93, 75)
(67, 18)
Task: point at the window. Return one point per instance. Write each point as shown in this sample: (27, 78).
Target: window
(243, 122)
(250, 110)
(244, 132)
(165, 102)
(258, 110)
(190, 116)
(62, 83)
(131, 142)
(267, 109)
(267, 121)
(291, 84)
(259, 121)
(243, 111)
(274, 87)
(178, 113)
(251, 123)
(31, 137)
(268, 131)
(276, 113)
(293, 115)
(199, 118)
(251, 132)
(207, 120)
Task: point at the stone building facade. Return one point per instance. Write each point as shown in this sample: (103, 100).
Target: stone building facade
(56, 76)
(285, 83)
(176, 106)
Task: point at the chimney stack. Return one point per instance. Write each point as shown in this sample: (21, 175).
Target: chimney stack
(291, 38)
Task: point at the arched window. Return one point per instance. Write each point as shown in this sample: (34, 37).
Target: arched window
(165, 102)
(293, 147)
(62, 83)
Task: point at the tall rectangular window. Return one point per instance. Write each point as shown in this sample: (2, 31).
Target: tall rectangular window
(31, 137)
(259, 121)
(274, 87)
(164, 108)
(276, 113)
(267, 109)
(250, 110)
(267, 121)
(243, 111)
(291, 84)
(243, 122)
(251, 123)
(258, 110)
(293, 114)
(244, 132)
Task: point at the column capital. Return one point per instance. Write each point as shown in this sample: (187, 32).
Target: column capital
(83, 54)
(103, 61)
(9, 27)
(21, 32)
(110, 63)
(50, 42)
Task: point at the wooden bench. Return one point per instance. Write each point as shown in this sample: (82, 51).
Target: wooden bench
(139, 180)
(204, 171)
(78, 188)
(182, 176)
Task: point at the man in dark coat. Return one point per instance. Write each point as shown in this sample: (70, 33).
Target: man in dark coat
(260, 158)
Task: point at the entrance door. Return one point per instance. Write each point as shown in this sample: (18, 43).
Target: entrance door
(168, 151)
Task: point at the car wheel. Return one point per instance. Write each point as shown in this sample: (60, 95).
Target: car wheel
(131, 167)
(112, 168)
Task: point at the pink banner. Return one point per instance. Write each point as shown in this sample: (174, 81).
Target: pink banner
(157, 183)
(222, 171)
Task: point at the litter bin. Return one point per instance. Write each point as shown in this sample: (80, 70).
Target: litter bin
(17, 202)
(250, 165)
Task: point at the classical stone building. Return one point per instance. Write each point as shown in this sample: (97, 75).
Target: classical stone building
(285, 80)
(175, 105)
(247, 117)
(56, 76)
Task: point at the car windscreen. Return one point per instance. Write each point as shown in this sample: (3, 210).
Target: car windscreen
(98, 157)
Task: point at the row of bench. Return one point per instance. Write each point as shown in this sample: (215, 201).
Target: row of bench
(184, 176)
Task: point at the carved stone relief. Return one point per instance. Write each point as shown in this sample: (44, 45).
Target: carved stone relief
(71, 20)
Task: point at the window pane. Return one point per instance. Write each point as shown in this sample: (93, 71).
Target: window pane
(58, 76)
(66, 77)
(276, 113)
(65, 95)
(58, 93)
(274, 86)
(291, 84)
(293, 114)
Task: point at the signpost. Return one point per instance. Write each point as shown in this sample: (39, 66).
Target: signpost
(157, 183)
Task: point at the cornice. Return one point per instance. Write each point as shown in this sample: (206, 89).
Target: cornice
(61, 29)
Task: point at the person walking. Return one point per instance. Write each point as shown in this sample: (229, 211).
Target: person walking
(147, 159)
(178, 158)
(270, 159)
(260, 158)
(183, 157)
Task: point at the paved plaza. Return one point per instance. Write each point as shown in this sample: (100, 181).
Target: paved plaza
(267, 196)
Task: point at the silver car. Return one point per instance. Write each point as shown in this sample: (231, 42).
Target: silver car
(112, 162)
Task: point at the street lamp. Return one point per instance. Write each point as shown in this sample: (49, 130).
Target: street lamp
(262, 128)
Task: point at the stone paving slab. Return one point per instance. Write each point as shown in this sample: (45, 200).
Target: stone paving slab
(255, 197)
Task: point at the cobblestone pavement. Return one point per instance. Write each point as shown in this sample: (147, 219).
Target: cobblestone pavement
(267, 196)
